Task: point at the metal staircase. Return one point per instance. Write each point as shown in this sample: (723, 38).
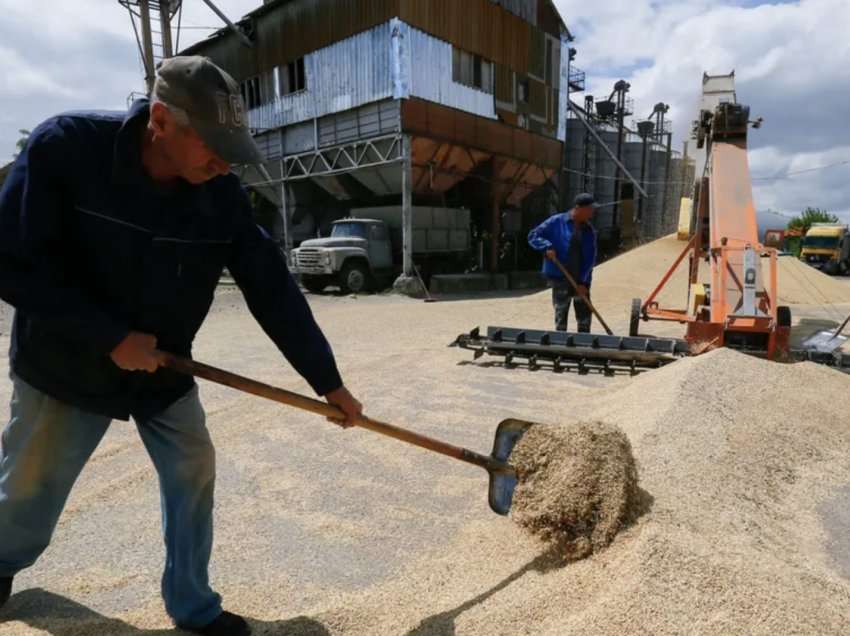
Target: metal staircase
(152, 25)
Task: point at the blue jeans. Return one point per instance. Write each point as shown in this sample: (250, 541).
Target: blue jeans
(45, 446)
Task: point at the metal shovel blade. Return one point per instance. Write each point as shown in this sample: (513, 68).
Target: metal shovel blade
(503, 482)
(824, 342)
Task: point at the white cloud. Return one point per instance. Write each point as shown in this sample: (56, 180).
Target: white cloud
(19, 78)
(58, 55)
(792, 66)
(799, 186)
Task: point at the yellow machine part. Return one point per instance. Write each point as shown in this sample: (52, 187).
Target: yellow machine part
(698, 297)
(686, 208)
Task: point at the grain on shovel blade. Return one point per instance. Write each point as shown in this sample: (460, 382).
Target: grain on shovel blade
(577, 487)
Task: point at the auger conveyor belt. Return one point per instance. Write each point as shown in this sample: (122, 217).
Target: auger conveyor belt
(567, 351)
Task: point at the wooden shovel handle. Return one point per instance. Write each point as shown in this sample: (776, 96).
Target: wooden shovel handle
(572, 281)
(247, 385)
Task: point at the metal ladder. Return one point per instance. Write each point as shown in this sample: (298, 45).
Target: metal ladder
(153, 32)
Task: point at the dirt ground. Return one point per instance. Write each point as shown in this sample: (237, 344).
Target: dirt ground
(324, 531)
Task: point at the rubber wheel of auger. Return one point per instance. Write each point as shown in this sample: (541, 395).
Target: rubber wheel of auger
(634, 319)
(783, 316)
(354, 278)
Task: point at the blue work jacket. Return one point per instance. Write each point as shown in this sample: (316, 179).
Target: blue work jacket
(92, 248)
(556, 232)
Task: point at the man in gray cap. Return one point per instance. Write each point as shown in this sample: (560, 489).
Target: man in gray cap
(571, 239)
(114, 230)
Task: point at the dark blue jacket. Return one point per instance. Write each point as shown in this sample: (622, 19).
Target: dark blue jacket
(91, 248)
(556, 232)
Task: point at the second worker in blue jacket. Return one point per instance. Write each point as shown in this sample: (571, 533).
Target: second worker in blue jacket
(571, 238)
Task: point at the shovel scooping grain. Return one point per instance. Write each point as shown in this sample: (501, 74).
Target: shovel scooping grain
(577, 485)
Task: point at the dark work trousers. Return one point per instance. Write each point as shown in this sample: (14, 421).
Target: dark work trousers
(562, 294)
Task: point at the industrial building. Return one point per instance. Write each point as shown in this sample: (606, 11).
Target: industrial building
(426, 104)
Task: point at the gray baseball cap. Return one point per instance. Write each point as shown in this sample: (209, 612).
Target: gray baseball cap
(213, 102)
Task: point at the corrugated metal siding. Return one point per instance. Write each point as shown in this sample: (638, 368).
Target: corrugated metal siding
(370, 120)
(548, 18)
(299, 138)
(448, 124)
(291, 30)
(352, 72)
(294, 29)
(505, 87)
(230, 54)
(477, 26)
(269, 144)
(537, 54)
(525, 9)
(537, 98)
(339, 77)
(431, 76)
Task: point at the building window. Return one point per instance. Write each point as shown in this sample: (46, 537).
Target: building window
(250, 89)
(522, 91)
(291, 77)
(472, 70)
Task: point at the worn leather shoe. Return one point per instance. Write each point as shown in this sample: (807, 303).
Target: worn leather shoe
(5, 589)
(226, 624)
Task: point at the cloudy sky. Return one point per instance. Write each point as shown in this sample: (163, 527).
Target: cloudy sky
(792, 63)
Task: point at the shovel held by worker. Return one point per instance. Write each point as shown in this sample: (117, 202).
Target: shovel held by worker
(503, 477)
(582, 295)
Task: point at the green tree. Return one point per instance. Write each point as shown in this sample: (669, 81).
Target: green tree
(22, 142)
(804, 221)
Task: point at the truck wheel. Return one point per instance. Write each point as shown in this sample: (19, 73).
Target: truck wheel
(354, 278)
(313, 284)
(634, 320)
(783, 316)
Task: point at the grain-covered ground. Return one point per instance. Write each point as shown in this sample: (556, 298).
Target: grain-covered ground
(324, 531)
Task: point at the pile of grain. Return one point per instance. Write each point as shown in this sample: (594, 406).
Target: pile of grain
(736, 460)
(577, 485)
(636, 272)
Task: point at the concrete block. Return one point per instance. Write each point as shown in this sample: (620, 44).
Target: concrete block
(409, 286)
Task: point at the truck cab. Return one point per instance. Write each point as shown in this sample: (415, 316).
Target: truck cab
(356, 253)
(826, 246)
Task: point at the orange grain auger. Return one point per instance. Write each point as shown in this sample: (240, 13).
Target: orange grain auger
(738, 305)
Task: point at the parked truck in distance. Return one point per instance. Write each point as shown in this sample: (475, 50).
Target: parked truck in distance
(363, 251)
(826, 246)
